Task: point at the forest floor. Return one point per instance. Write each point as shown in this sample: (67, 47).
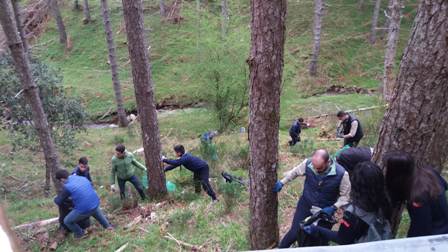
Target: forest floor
(178, 56)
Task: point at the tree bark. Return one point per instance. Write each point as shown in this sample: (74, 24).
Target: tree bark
(31, 91)
(144, 94)
(162, 8)
(59, 22)
(224, 18)
(16, 9)
(393, 35)
(317, 27)
(266, 69)
(121, 113)
(86, 12)
(360, 4)
(376, 13)
(417, 116)
(76, 5)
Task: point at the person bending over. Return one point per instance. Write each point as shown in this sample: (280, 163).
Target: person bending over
(327, 186)
(368, 208)
(422, 189)
(351, 129)
(123, 168)
(196, 165)
(86, 202)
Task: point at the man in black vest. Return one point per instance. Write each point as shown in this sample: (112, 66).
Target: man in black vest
(352, 130)
(327, 186)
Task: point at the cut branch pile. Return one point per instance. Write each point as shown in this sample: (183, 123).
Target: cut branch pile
(173, 15)
(34, 17)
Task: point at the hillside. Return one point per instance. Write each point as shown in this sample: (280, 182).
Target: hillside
(182, 56)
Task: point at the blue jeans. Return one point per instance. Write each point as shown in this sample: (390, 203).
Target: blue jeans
(73, 218)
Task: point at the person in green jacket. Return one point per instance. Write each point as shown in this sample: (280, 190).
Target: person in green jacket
(123, 167)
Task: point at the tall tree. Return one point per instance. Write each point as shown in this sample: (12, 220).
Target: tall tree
(86, 12)
(376, 13)
(394, 16)
(360, 4)
(16, 9)
(266, 69)
(30, 90)
(317, 28)
(121, 113)
(59, 22)
(417, 116)
(162, 8)
(76, 5)
(224, 17)
(144, 94)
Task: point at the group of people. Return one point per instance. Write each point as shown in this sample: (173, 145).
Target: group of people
(351, 129)
(367, 195)
(77, 199)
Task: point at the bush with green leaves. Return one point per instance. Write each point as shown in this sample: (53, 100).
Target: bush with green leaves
(65, 115)
(303, 148)
(231, 192)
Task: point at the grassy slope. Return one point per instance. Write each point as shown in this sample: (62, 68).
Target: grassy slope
(177, 54)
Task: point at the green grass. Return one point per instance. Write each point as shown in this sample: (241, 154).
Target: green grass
(179, 57)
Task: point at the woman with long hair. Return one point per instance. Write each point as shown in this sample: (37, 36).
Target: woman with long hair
(422, 189)
(368, 204)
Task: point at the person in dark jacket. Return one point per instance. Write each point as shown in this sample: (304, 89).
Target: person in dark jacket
(196, 165)
(327, 187)
(64, 208)
(352, 129)
(294, 131)
(82, 169)
(367, 198)
(86, 202)
(422, 189)
(349, 158)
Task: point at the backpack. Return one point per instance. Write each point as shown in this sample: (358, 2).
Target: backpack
(379, 228)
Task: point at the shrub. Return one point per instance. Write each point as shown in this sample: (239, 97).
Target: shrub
(227, 85)
(303, 148)
(65, 115)
(231, 193)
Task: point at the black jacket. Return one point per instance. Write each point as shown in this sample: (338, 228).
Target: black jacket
(350, 157)
(429, 217)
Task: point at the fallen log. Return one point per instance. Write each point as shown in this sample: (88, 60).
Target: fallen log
(35, 224)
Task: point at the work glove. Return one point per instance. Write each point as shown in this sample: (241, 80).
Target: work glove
(112, 188)
(278, 187)
(329, 211)
(311, 230)
(162, 158)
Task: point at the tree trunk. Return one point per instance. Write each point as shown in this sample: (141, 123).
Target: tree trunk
(416, 118)
(224, 18)
(391, 47)
(76, 5)
(31, 91)
(376, 13)
(360, 4)
(16, 9)
(317, 26)
(59, 22)
(86, 12)
(266, 69)
(121, 113)
(144, 94)
(162, 8)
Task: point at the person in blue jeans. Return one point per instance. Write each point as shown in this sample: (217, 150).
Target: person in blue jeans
(86, 202)
(198, 166)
